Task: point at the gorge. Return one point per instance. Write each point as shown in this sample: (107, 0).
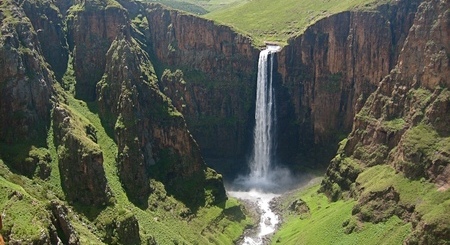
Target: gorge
(121, 120)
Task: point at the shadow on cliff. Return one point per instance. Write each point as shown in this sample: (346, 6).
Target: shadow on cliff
(107, 122)
(27, 157)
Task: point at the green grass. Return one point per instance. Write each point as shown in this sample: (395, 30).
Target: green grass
(430, 203)
(394, 124)
(199, 7)
(24, 215)
(325, 225)
(277, 20)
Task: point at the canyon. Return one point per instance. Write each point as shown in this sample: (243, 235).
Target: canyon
(110, 109)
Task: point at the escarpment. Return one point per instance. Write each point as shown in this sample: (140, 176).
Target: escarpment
(148, 129)
(25, 88)
(219, 69)
(329, 71)
(402, 125)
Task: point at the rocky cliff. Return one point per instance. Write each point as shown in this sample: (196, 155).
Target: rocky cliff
(26, 88)
(82, 116)
(328, 72)
(219, 73)
(404, 124)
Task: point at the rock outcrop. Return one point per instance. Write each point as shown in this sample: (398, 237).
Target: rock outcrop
(123, 228)
(151, 134)
(64, 232)
(26, 89)
(148, 129)
(80, 160)
(404, 123)
(329, 71)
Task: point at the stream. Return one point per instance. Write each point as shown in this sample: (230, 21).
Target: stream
(268, 219)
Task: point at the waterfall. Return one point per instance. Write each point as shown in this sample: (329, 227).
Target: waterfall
(260, 186)
(264, 132)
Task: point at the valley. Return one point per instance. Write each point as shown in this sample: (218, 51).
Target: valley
(130, 122)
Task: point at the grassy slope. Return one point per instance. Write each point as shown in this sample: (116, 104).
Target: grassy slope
(325, 225)
(277, 20)
(200, 6)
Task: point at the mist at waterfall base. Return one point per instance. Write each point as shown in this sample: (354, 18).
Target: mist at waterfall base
(265, 180)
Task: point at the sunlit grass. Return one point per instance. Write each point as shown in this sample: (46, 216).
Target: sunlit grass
(278, 20)
(325, 224)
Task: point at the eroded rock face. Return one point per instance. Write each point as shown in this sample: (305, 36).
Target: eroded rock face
(219, 70)
(401, 123)
(330, 70)
(92, 28)
(61, 222)
(123, 229)
(80, 160)
(25, 81)
(151, 134)
(48, 23)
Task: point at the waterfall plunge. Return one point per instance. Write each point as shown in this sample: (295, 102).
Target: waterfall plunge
(260, 179)
(264, 132)
(265, 181)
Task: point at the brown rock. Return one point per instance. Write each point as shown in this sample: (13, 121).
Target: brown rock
(151, 134)
(219, 67)
(62, 223)
(25, 81)
(329, 71)
(48, 23)
(91, 32)
(80, 161)
(404, 116)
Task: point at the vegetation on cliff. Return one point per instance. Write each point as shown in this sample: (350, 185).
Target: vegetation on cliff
(66, 170)
(394, 164)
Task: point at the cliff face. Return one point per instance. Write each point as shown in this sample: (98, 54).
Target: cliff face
(159, 140)
(330, 70)
(25, 81)
(25, 89)
(61, 141)
(219, 74)
(92, 28)
(48, 23)
(404, 124)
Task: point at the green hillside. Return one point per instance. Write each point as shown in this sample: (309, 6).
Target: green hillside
(269, 20)
(25, 203)
(200, 7)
